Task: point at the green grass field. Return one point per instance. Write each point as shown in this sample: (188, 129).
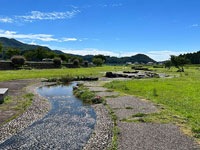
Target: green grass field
(179, 96)
(51, 73)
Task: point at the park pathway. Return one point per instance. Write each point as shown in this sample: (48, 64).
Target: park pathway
(141, 136)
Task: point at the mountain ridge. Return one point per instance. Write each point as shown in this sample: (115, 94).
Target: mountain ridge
(15, 44)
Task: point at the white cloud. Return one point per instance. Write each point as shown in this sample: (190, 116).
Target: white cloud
(32, 37)
(90, 51)
(69, 39)
(6, 20)
(13, 34)
(195, 25)
(37, 15)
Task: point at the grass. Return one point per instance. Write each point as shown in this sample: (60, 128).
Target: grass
(53, 73)
(18, 105)
(87, 96)
(180, 96)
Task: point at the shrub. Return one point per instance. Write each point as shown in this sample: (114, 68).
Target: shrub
(57, 61)
(18, 60)
(86, 64)
(76, 62)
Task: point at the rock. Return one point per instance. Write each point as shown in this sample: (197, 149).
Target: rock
(110, 75)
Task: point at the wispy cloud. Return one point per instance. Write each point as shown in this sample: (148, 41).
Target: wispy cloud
(111, 5)
(6, 20)
(195, 25)
(69, 39)
(37, 15)
(41, 37)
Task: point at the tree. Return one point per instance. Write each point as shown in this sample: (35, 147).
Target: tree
(40, 53)
(179, 62)
(29, 55)
(76, 62)
(97, 61)
(86, 63)
(102, 57)
(168, 64)
(1, 49)
(57, 61)
(12, 52)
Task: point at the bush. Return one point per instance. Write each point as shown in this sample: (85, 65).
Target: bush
(86, 64)
(76, 62)
(57, 61)
(18, 60)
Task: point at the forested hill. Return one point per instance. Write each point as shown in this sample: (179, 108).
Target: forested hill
(24, 48)
(140, 58)
(14, 44)
(193, 57)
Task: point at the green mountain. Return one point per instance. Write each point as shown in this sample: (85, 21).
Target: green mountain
(14, 44)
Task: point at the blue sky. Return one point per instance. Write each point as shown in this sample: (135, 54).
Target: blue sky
(158, 28)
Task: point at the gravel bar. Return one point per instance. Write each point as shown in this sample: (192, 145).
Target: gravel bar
(102, 136)
(35, 112)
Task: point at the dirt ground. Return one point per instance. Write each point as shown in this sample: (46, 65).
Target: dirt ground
(15, 89)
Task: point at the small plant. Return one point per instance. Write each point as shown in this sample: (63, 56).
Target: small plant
(126, 88)
(86, 96)
(139, 115)
(129, 107)
(66, 79)
(97, 100)
(18, 60)
(155, 92)
(57, 61)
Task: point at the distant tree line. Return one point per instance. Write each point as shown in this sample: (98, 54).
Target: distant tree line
(37, 54)
(193, 57)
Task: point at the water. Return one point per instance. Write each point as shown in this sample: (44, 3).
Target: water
(68, 125)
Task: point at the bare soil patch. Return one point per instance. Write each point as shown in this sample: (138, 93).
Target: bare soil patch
(16, 89)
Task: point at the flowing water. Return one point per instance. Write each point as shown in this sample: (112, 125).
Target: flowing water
(68, 125)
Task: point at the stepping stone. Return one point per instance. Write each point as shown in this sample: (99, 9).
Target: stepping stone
(3, 93)
(97, 89)
(93, 84)
(130, 101)
(143, 136)
(103, 94)
(124, 113)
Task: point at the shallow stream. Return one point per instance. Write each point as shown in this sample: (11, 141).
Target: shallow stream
(68, 125)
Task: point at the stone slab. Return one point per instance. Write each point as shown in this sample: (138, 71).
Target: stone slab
(3, 93)
(149, 136)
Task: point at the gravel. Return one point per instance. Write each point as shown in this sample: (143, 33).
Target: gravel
(102, 136)
(124, 113)
(104, 94)
(93, 84)
(130, 101)
(34, 113)
(148, 136)
(97, 89)
(68, 125)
